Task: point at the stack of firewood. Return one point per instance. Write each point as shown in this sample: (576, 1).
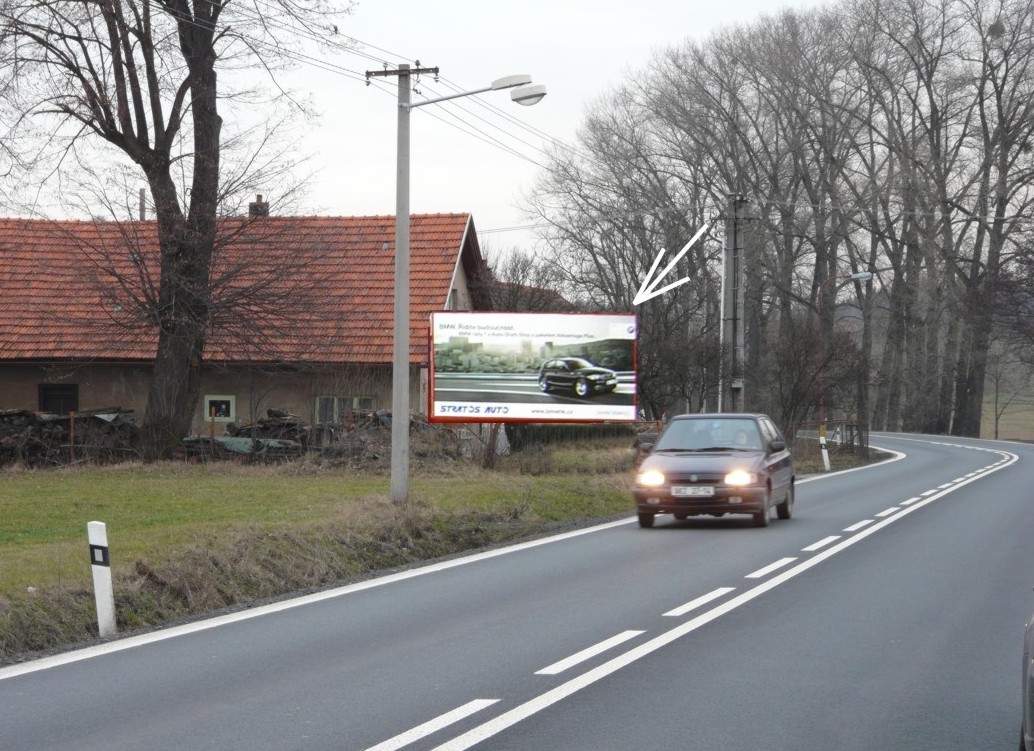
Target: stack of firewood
(277, 423)
(39, 439)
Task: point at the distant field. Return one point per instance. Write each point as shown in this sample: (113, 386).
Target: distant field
(1016, 424)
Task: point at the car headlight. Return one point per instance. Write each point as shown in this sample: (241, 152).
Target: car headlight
(739, 477)
(650, 478)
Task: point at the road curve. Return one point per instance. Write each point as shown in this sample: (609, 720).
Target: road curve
(886, 615)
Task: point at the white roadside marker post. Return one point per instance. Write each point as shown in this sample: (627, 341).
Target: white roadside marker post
(822, 444)
(102, 589)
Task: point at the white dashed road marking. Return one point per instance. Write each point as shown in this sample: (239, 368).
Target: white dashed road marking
(700, 601)
(585, 654)
(761, 573)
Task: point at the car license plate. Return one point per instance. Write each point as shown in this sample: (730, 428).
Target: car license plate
(693, 491)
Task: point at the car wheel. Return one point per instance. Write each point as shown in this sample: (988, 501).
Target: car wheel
(581, 387)
(681, 517)
(785, 509)
(543, 385)
(1023, 745)
(645, 519)
(761, 518)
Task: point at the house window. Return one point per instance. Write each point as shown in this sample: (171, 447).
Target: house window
(220, 408)
(59, 398)
(336, 409)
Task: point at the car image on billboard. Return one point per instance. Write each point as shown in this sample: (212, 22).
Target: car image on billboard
(532, 367)
(577, 374)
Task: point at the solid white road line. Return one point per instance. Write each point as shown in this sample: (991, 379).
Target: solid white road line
(763, 572)
(896, 456)
(433, 726)
(698, 602)
(140, 640)
(585, 654)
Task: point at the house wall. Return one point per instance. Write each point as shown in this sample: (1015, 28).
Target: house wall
(254, 391)
(459, 295)
(99, 385)
(251, 390)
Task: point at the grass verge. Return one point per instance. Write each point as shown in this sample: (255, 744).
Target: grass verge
(192, 539)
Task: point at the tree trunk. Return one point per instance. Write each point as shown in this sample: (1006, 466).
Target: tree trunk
(175, 388)
(186, 256)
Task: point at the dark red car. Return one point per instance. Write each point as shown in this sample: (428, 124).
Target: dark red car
(715, 465)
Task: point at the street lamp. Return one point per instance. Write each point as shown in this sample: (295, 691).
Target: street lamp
(523, 92)
(859, 276)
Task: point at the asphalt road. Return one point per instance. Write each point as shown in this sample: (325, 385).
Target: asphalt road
(887, 614)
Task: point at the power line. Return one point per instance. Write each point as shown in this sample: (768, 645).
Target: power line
(328, 66)
(281, 22)
(560, 144)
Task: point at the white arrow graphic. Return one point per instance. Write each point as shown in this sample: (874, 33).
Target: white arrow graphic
(648, 289)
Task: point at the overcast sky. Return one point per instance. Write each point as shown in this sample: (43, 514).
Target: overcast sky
(476, 154)
(578, 49)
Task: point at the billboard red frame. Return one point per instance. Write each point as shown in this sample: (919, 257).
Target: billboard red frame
(532, 367)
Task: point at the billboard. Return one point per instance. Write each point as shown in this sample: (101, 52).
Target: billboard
(532, 367)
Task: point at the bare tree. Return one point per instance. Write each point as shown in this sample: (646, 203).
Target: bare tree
(893, 136)
(517, 281)
(611, 207)
(141, 79)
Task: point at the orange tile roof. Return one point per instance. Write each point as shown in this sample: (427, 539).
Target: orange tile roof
(321, 288)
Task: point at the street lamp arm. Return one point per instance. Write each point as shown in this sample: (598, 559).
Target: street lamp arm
(859, 276)
(506, 82)
(422, 102)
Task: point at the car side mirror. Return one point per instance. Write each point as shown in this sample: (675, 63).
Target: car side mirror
(645, 448)
(776, 445)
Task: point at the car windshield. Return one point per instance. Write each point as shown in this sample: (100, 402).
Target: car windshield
(710, 434)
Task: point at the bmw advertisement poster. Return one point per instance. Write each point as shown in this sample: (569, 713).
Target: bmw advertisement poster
(532, 367)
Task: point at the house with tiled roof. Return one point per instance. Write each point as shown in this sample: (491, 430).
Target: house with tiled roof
(301, 309)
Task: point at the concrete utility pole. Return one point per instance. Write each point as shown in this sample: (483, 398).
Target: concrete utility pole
(732, 308)
(400, 351)
(523, 93)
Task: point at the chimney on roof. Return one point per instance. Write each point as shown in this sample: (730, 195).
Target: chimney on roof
(258, 207)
